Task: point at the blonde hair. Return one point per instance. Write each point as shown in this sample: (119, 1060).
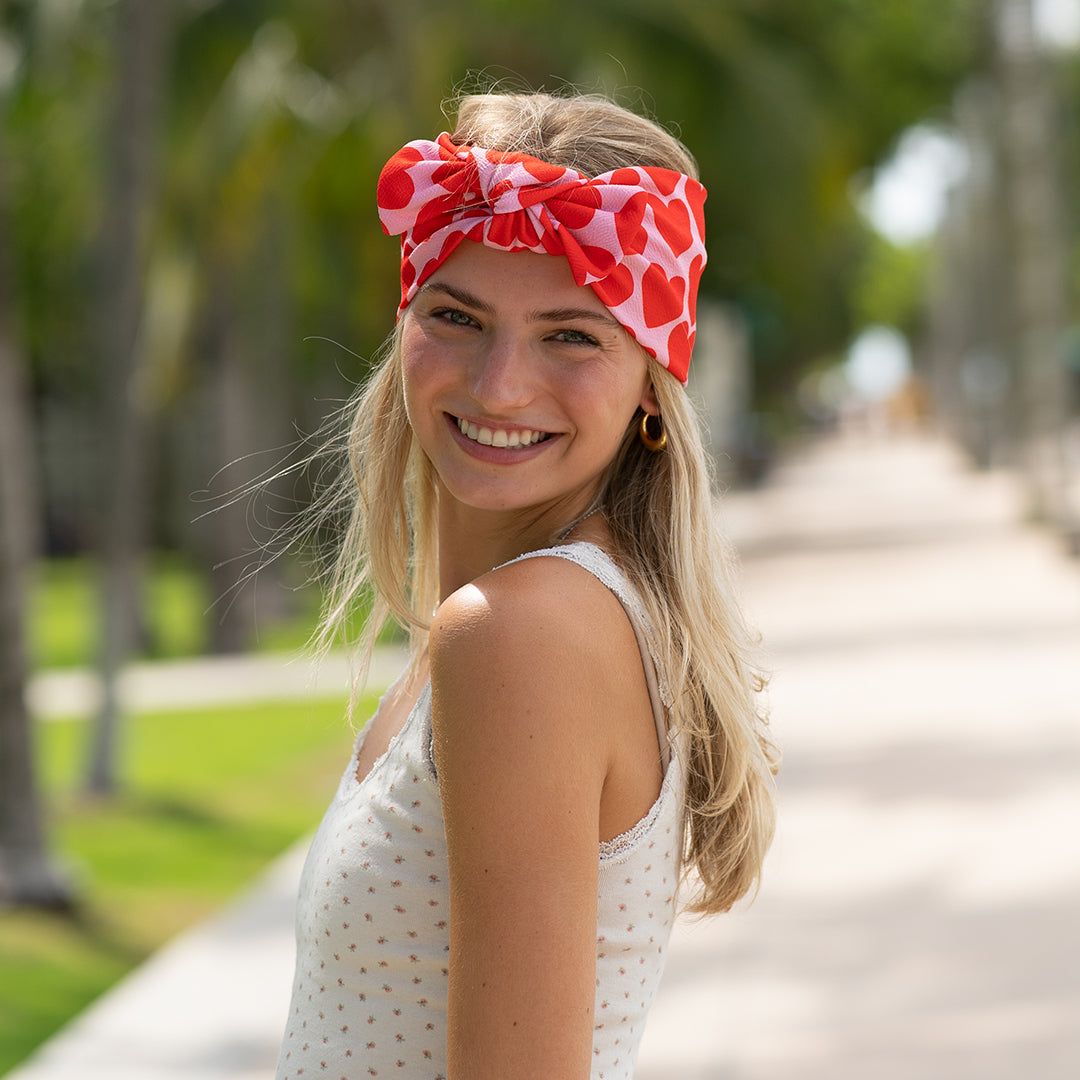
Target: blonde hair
(659, 507)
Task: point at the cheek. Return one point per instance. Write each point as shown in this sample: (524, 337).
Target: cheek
(420, 371)
(602, 425)
(612, 400)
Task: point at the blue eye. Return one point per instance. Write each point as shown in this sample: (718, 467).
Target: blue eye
(576, 337)
(454, 316)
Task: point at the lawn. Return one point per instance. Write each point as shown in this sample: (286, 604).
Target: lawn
(210, 798)
(65, 611)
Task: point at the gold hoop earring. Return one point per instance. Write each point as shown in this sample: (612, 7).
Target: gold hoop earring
(655, 443)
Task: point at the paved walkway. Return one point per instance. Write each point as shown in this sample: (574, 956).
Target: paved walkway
(206, 680)
(920, 916)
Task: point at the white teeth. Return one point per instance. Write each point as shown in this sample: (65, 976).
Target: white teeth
(499, 437)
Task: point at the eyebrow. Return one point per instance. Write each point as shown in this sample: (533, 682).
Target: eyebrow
(463, 296)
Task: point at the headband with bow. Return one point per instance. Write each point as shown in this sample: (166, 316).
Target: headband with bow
(635, 236)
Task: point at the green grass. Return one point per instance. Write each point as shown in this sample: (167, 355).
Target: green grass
(65, 612)
(211, 797)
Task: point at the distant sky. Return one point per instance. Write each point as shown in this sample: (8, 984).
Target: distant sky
(1058, 22)
(906, 198)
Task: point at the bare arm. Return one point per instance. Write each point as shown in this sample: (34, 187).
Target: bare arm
(526, 670)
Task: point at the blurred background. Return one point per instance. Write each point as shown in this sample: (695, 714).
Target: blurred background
(193, 280)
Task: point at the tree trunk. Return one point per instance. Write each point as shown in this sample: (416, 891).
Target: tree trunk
(141, 62)
(1030, 131)
(234, 555)
(27, 875)
(247, 328)
(969, 295)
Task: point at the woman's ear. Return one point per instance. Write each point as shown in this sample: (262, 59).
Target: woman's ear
(649, 401)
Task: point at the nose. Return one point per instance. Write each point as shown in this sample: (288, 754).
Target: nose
(504, 373)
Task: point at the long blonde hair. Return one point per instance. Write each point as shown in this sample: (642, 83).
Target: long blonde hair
(659, 507)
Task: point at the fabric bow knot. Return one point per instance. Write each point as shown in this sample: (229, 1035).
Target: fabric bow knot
(634, 235)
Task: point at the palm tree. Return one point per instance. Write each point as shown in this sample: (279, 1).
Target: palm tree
(27, 874)
(141, 34)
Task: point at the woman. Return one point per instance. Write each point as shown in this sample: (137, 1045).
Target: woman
(490, 894)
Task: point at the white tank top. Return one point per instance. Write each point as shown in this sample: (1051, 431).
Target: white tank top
(369, 994)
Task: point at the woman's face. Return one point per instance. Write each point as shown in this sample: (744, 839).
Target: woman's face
(519, 383)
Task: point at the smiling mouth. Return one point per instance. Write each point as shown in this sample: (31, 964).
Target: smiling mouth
(499, 437)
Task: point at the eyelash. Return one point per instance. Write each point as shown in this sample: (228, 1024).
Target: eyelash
(457, 317)
(576, 337)
(454, 316)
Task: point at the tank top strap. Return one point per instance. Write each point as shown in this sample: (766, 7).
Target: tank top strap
(598, 563)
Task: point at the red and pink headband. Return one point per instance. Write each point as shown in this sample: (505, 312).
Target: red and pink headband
(634, 235)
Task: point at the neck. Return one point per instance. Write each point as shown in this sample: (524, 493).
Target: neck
(472, 542)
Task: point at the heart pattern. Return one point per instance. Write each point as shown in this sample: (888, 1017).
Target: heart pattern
(634, 235)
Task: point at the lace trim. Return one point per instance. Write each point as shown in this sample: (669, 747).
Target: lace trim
(624, 844)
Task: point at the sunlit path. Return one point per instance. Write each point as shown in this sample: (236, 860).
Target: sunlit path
(919, 916)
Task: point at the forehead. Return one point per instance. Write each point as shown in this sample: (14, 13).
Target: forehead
(505, 278)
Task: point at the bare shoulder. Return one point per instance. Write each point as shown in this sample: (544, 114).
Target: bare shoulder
(525, 707)
(536, 677)
(533, 619)
(539, 638)
(536, 674)
(530, 696)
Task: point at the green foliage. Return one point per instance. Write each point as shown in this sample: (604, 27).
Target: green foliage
(213, 796)
(889, 285)
(783, 105)
(278, 117)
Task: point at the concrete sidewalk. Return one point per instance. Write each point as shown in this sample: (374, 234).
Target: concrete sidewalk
(206, 680)
(920, 914)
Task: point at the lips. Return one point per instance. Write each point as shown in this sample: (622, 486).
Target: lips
(511, 439)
